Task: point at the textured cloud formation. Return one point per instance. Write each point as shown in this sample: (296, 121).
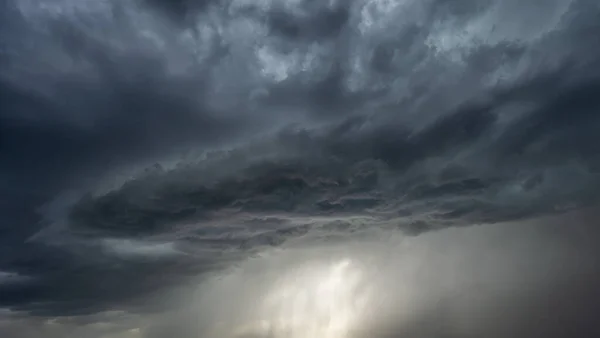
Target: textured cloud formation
(147, 144)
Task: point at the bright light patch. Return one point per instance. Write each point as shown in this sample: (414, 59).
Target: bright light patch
(324, 301)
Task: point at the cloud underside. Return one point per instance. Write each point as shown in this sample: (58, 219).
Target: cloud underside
(463, 168)
(242, 126)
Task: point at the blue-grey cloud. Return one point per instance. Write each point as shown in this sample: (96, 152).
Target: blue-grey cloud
(146, 143)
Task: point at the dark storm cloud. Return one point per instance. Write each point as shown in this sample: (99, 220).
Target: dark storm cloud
(333, 118)
(562, 125)
(119, 114)
(321, 24)
(180, 10)
(337, 176)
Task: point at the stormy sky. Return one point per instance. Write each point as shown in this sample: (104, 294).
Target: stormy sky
(299, 168)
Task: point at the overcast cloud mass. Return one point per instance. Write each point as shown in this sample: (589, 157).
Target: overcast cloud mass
(299, 168)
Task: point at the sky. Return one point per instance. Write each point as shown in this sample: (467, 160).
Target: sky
(299, 168)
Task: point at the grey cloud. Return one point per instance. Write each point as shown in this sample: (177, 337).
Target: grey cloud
(317, 122)
(340, 179)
